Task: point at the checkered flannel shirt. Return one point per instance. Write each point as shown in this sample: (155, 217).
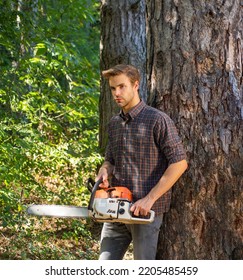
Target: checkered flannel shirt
(141, 145)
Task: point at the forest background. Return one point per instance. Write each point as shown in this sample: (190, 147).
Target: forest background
(49, 92)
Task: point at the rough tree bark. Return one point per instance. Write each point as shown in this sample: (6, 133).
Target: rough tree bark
(122, 41)
(195, 75)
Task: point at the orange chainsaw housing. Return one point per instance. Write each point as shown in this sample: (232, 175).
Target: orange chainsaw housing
(114, 192)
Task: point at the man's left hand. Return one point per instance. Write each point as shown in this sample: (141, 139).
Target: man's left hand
(142, 206)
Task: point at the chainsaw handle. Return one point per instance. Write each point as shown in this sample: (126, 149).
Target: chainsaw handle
(96, 186)
(150, 219)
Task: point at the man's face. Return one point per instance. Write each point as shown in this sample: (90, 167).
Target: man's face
(124, 92)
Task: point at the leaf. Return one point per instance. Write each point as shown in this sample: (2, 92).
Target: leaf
(40, 49)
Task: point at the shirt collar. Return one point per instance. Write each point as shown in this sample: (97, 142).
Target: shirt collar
(133, 112)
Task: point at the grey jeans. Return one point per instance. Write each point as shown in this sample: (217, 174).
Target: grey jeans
(116, 237)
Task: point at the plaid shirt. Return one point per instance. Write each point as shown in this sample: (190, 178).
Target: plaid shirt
(141, 145)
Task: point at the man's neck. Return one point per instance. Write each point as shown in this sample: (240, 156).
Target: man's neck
(135, 102)
(127, 110)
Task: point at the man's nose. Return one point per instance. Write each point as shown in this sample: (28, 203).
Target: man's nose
(117, 92)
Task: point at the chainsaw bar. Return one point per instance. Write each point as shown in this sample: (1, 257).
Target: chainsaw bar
(58, 211)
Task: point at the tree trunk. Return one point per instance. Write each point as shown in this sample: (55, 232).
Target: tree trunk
(195, 75)
(122, 41)
(28, 28)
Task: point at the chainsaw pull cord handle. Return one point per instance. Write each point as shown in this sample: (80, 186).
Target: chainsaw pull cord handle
(96, 186)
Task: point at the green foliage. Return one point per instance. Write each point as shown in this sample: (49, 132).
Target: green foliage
(49, 67)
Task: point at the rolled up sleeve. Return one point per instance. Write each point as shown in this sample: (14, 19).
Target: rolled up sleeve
(169, 140)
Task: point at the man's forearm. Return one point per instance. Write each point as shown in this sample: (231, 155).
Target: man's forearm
(169, 178)
(108, 167)
(171, 175)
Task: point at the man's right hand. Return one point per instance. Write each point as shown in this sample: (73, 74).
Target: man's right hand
(105, 184)
(104, 175)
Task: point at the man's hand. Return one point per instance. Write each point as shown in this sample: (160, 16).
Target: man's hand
(104, 176)
(104, 172)
(142, 206)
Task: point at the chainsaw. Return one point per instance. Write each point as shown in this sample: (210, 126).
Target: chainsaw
(110, 204)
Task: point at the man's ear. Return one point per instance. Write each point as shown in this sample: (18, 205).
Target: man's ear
(136, 85)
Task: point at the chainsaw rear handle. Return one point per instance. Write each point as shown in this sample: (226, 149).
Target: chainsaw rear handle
(91, 201)
(148, 219)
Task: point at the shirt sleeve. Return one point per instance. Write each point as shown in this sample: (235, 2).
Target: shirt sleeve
(108, 152)
(169, 140)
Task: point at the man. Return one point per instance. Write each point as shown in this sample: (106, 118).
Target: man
(144, 154)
